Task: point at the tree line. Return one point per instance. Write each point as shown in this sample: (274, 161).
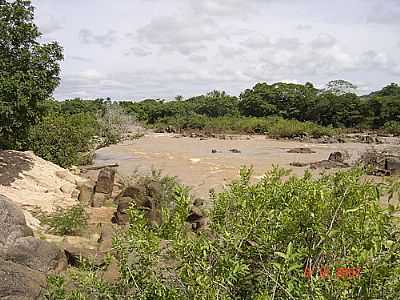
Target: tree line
(336, 105)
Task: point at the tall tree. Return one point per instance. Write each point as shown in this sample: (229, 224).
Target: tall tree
(29, 71)
(340, 87)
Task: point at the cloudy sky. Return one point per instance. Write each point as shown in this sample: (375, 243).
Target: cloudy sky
(135, 49)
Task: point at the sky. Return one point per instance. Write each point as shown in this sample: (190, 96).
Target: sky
(137, 49)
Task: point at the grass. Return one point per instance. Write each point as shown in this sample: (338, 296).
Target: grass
(67, 221)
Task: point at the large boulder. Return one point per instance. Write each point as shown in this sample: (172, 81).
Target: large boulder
(37, 254)
(12, 223)
(143, 196)
(105, 181)
(17, 243)
(18, 282)
(77, 248)
(337, 157)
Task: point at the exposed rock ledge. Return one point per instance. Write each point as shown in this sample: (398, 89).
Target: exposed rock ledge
(36, 184)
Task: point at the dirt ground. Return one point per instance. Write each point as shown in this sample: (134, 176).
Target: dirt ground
(192, 159)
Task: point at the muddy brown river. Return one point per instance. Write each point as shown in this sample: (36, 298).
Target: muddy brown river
(192, 160)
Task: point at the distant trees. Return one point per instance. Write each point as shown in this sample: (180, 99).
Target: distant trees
(29, 72)
(336, 105)
(287, 100)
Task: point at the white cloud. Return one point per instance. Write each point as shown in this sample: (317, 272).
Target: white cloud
(304, 27)
(138, 51)
(49, 24)
(324, 41)
(385, 13)
(225, 7)
(105, 40)
(158, 48)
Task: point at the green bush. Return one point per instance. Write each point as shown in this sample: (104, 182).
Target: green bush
(392, 128)
(62, 139)
(294, 128)
(263, 237)
(276, 127)
(67, 221)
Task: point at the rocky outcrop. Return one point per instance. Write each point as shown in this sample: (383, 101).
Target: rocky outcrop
(18, 282)
(36, 254)
(24, 260)
(12, 223)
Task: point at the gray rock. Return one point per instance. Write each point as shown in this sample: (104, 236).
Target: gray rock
(112, 274)
(99, 199)
(392, 164)
(143, 196)
(18, 282)
(106, 237)
(17, 243)
(337, 157)
(105, 181)
(195, 214)
(36, 254)
(86, 194)
(12, 223)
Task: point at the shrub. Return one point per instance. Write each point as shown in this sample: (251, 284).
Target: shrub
(276, 239)
(62, 139)
(293, 128)
(67, 221)
(276, 127)
(113, 123)
(392, 128)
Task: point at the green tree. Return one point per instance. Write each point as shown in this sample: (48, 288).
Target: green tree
(283, 99)
(29, 72)
(340, 87)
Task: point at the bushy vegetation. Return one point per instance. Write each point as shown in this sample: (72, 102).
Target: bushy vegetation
(63, 139)
(67, 221)
(276, 239)
(392, 127)
(335, 106)
(69, 131)
(275, 127)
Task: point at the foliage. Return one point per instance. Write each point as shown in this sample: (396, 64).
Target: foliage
(340, 87)
(29, 72)
(275, 127)
(67, 221)
(113, 122)
(263, 237)
(62, 139)
(337, 106)
(392, 127)
(293, 128)
(280, 99)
